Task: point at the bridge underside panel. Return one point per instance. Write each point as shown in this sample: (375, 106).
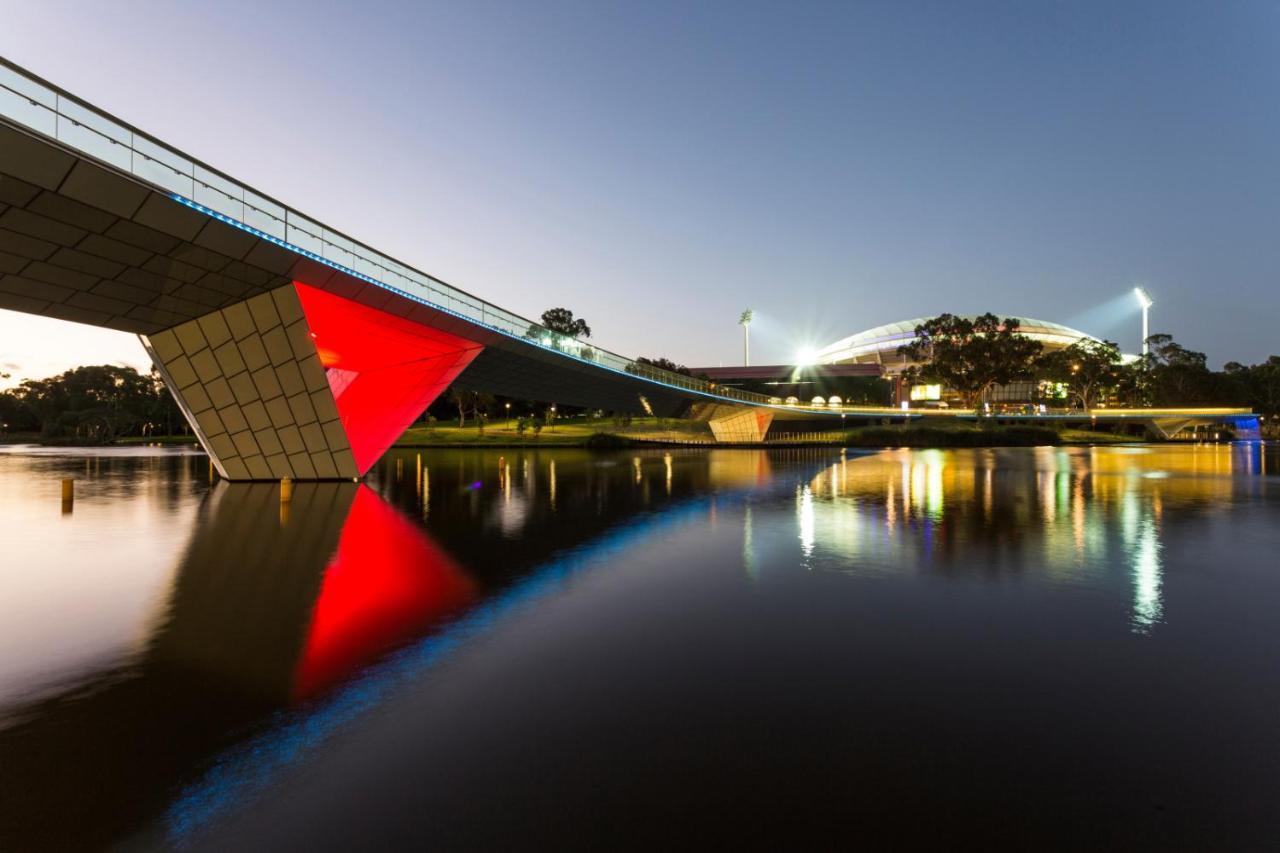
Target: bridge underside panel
(81, 242)
(517, 369)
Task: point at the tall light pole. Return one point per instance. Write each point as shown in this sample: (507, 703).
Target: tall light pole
(745, 322)
(1144, 299)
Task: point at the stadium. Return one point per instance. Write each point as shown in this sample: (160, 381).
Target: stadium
(867, 368)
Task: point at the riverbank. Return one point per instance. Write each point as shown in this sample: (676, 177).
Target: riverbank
(640, 432)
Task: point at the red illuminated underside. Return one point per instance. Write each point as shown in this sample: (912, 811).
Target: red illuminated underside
(383, 370)
(387, 583)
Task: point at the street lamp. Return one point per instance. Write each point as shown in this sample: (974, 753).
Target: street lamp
(745, 322)
(1144, 299)
(508, 415)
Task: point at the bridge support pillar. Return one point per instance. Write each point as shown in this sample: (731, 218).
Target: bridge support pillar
(744, 426)
(302, 383)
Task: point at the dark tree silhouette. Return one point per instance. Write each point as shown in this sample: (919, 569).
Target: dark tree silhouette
(1087, 367)
(970, 356)
(562, 320)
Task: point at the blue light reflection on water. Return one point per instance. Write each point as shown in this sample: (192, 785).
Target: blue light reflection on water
(246, 770)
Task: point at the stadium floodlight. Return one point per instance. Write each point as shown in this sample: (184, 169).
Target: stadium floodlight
(745, 322)
(1145, 300)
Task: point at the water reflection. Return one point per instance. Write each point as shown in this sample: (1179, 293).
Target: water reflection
(1076, 514)
(260, 615)
(266, 605)
(177, 643)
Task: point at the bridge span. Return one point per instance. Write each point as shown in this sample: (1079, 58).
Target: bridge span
(293, 349)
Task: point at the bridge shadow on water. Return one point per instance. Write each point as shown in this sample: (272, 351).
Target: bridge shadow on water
(285, 609)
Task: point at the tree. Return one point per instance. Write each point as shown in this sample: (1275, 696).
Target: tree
(561, 320)
(97, 403)
(665, 364)
(1087, 367)
(1256, 386)
(15, 414)
(1133, 384)
(1177, 376)
(970, 356)
(469, 403)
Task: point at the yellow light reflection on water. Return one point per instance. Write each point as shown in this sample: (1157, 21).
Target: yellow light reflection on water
(1093, 515)
(1147, 606)
(804, 513)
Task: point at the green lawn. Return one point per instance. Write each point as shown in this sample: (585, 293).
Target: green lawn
(1087, 436)
(563, 432)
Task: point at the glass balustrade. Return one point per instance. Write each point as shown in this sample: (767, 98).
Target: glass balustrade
(45, 109)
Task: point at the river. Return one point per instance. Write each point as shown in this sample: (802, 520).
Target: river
(556, 649)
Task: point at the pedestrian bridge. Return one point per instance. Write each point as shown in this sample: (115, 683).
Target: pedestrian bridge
(293, 349)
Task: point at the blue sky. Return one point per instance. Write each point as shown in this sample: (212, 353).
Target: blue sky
(659, 167)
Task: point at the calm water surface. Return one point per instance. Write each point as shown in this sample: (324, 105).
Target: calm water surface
(1032, 648)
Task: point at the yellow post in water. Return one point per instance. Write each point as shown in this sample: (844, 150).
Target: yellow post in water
(286, 490)
(68, 495)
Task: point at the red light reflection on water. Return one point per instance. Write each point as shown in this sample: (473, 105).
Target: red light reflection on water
(386, 583)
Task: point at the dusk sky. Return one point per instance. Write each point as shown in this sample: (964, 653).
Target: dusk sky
(658, 167)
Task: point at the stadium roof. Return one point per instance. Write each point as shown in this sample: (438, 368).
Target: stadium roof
(874, 344)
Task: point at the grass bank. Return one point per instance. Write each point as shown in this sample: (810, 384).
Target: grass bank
(912, 435)
(604, 432)
(567, 432)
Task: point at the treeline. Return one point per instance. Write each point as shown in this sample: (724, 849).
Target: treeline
(973, 356)
(94, 404)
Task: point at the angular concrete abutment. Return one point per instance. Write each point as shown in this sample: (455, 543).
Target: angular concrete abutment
(302, 383)
(735, 424)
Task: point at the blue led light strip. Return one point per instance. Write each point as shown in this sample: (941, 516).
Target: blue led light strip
(262, 235)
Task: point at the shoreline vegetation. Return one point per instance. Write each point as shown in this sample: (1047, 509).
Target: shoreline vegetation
(606, 433)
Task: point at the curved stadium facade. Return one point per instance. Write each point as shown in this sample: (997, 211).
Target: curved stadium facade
(880, 345)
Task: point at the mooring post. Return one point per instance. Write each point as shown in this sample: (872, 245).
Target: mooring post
(68, 494)
(286, 490)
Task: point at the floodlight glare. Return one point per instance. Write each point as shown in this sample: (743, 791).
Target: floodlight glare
(1144, 298)
(805, 356)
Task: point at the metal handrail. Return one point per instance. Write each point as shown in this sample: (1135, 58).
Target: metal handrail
(48, 110)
